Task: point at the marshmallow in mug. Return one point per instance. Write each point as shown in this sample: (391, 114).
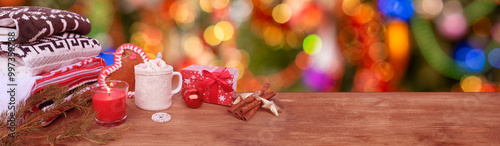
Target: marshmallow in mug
(153, 64)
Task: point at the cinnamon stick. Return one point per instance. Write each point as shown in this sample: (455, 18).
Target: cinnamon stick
(238, 115)
(248, 99)
(264, 88)
(256, 103)
(249, 106)
(241, 103)
(269, 95)
(250, 113)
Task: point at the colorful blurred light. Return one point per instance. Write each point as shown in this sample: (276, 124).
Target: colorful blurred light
(488, 87)
(317, 80)
(153, 35)
(495, 32)
(263, 4)
(240, 11)
(164, 10)
(245, 57)
(291, 39)
(431, 48)
(494, 58)
(476, 41)
(471, 84)
(282, 13)
(277, 80)
(182, 12)
(349, 6)
(452, 7)
(138, 38)
(210, 35)
(15, 3)
(452, 26)
(383, 71)
(152, 50)
(398, 44)
(365, 81)
(354, 53)
(378, 51)
(237, 64)
(372, 36)
(219, 4)
(219, 32)
(329, 59)
(397, 40)
(475, 60)
(227, 30)
(364, 13)
(460, 53)
(312, 44)
(482, 26)
(302, 60)
(347, 35)
(147, 37)
(207, 57)
(308, 19)
(402, 9)
(273, 35)
(375, 29)
(192, 46)
(206, 5)
(236, 54)
(429, 8)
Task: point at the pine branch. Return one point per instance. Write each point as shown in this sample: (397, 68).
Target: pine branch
(75, 129)
(3, 118)
(80, 131)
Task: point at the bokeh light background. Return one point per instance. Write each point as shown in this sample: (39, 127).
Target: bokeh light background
(312, 45)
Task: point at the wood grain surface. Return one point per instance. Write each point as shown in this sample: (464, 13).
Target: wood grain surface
(326, 119)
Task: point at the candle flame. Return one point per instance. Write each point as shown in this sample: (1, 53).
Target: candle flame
(109, 92)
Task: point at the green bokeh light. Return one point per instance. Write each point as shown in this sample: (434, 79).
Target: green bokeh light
(312, 44)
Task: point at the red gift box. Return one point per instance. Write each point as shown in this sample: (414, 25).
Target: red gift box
(216, 84)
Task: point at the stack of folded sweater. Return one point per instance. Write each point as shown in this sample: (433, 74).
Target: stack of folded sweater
(49, 48)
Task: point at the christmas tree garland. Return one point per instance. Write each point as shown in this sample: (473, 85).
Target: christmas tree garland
(430, 48)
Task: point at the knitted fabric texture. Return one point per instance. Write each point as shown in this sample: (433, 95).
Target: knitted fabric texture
(71, 76)
(51, 52)
(32, 23)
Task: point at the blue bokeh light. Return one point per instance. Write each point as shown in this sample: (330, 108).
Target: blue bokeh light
(402, 9)
(494, 58)
(459, 55)
(475, 60)
(385, 6)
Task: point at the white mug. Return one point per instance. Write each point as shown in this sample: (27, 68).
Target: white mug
(153, 87)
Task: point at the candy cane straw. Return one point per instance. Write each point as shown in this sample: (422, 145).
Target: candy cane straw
(118, 63)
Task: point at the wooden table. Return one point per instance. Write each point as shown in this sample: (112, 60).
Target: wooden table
(327, 118)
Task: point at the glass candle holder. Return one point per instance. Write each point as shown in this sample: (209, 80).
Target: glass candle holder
(110, 102)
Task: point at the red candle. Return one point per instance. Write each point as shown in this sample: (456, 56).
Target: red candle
(110, 106)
